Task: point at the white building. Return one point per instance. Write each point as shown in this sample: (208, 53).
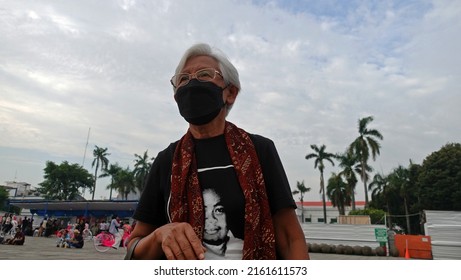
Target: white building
(313, 211)
(16, 189)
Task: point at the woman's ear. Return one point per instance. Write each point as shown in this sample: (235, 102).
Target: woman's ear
(231, 94)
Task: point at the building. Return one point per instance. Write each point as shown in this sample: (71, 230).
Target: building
(16, 189)
(312, 211)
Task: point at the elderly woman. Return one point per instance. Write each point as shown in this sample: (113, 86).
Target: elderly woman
(215, 154)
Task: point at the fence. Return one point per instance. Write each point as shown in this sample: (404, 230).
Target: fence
(341, 234)
(444, 228)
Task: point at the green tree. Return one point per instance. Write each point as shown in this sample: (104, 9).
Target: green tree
(101, 161)
(399, 180)
(142, 166)
(380, 187)
(361, 146)
(320, 155)
(348, 162)
(338, 193)
(3, 197)
(439, 179)
(112, 172)
(301, 189)
(64, 181)
(124, 182)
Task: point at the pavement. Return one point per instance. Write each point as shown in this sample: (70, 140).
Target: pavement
(44, 248)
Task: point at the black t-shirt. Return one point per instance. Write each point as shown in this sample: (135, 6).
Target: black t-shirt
(219, 183)
(153, 204)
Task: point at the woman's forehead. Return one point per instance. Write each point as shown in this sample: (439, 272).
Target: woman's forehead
(199, 62)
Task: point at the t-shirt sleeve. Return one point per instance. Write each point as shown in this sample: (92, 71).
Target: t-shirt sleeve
(276, 181)
(151, 208)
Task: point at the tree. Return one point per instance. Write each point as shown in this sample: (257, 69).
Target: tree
(100, 159)
(348, 162)
(399, 180)
(3, 197)
(320, 155)
(301, 189)
(366, 141)
(64, 181)
(124, 182)
(439, 179)
(112, 172)
(337, 192)
(379, 186)
(142, 166)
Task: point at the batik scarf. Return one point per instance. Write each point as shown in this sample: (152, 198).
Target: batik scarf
(186, 201)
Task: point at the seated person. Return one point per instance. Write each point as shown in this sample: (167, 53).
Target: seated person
(76, 241)
(18, 238)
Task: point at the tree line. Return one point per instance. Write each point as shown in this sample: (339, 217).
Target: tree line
(67, 181)
(402, 194)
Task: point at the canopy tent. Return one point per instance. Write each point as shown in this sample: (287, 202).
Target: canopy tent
(97, 208)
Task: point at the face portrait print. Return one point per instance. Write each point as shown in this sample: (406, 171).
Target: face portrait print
(215, 219)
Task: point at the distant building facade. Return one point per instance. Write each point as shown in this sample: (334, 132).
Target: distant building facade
(312, 211)
(19, 189)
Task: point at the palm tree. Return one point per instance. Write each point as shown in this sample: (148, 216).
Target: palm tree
(320, 155)
(366, 141)
(124, 182)
(301, 189)
(337, 192)
(100, 158)
(400, 179)
(142, 166)
(380, 186)
(112, 172)
(348, 162)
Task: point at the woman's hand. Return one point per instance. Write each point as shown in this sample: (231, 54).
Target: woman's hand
(179, 242)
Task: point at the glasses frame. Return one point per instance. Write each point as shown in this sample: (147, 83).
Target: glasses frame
(191, 75)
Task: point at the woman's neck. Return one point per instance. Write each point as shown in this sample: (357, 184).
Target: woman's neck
(211, 129)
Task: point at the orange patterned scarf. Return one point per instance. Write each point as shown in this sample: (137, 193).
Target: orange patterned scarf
(186, 202)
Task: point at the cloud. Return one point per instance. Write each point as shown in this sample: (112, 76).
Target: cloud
(309, 71)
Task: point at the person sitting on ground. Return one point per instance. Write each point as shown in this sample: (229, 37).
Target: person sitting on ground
(18, 238)
(76, 241)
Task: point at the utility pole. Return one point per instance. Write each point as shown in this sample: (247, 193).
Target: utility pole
(84, 154)
(86, 146)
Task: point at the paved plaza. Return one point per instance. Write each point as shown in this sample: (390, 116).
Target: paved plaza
(42, 248)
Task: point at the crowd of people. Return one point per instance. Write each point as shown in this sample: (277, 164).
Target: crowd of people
(14, 229)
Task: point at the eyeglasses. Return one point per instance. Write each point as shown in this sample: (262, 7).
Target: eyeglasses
(202, 75)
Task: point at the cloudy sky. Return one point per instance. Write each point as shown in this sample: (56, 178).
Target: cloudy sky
(309, 71)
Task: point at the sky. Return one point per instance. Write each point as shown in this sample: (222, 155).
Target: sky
(76, 74)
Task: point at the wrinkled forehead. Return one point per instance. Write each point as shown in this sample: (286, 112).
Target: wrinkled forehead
(195, 63)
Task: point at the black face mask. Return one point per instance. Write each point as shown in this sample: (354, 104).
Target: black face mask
(199, 102)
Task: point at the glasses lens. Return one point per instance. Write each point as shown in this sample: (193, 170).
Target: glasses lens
(205, 75)
(180, 79)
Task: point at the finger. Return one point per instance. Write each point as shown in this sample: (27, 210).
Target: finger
(186, 250)
(170, 248)
(168, 253)
(181, 245)
(194, 245)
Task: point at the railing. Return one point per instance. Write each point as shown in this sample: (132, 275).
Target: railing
(341, 234)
